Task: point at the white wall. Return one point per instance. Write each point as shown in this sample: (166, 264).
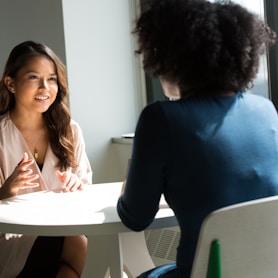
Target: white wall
(104, 95)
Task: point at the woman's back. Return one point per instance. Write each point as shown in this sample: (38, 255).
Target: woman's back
(225, 151)
(203, 153)
(214, 147)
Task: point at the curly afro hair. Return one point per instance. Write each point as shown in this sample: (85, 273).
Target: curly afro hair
(203, 47)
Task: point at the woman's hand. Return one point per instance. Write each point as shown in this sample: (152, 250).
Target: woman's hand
(21, 178)
(123, 188)
(70, 181)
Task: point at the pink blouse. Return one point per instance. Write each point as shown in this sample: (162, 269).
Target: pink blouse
(15, 250)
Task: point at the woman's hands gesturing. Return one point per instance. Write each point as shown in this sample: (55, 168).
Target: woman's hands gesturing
(21, 178)
(70, 181)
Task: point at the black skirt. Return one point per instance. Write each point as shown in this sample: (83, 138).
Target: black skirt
(44, 258)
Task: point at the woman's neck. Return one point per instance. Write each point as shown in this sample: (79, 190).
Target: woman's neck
(30, 121)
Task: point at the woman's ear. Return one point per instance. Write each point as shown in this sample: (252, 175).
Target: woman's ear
(9, 82)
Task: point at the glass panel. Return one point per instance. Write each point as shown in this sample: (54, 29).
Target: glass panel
(261, 81)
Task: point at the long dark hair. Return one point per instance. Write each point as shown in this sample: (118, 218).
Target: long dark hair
(57, 118)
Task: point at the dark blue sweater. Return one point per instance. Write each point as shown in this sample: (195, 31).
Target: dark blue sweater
(202, 153)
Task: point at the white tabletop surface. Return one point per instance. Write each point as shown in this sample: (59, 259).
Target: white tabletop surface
(91, 212)
(71, 213)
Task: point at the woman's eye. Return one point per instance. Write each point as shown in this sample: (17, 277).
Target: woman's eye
(53, 79)
(33, 77)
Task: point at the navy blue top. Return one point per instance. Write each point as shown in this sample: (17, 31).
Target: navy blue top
(203, 153)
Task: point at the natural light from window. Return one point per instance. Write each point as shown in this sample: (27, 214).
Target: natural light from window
(261, 82)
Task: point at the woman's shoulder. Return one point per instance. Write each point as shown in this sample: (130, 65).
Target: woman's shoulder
(160, 105)
(4, 120)
(76, 129)
(74, 124)
(257, 101)
(160, 110)
(254, 97)
(152, 110)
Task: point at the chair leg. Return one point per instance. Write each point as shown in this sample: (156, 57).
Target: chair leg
(136, 257)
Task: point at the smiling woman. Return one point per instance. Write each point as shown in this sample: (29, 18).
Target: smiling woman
(38, 81)
(46, 152)
(34, 87)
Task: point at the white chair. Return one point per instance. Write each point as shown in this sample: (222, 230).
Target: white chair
(242, 240)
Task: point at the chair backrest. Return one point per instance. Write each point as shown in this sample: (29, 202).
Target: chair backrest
(246, 235)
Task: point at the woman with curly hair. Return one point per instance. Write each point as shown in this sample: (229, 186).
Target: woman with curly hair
(41, 148)
(214, 146)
